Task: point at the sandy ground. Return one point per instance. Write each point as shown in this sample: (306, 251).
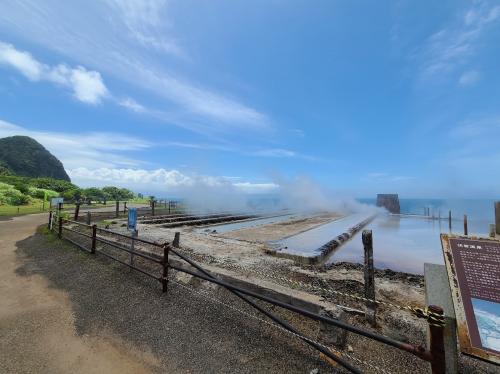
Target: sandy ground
(37, 330)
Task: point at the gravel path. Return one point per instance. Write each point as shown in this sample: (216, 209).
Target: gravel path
(182, 332)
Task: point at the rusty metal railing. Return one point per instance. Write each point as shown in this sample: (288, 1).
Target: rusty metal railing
(435, 355)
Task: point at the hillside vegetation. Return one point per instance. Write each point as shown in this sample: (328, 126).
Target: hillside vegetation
(24, 156)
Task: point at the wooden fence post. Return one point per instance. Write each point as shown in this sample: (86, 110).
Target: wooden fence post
(77, 211)
(152, 207)
(94, 236)
(164, 280)
(60, 227)
(50, 220)
(438, 363)
(125, 207)
(466, 228)
(88, 218)
(177, 239)
(369, 273)
(117, 209)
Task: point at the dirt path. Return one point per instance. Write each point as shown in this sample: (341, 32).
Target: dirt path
(37, 331)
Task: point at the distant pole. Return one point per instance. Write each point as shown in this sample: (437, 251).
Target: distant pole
(466, 230)
(449, 219)
(369, 273)
(497, 217)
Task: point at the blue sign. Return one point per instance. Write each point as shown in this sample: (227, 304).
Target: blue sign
(132, 219)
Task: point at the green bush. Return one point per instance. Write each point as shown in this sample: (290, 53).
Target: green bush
(11, 196)
(42, 193)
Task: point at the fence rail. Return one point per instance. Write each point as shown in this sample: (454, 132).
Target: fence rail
(435, 355)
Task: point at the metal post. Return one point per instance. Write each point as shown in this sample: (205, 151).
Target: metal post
(50, 220)
(449, 219)
(94, 236)
(438, 363)
(132, 245)
(466, 230)
(164, 280)
(60, 227)
(177, 239)
(117, 209)
(369, 273)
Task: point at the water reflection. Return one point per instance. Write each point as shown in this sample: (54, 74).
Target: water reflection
(308, 242)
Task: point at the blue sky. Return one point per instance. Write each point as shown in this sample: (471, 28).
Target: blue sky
(359, 97)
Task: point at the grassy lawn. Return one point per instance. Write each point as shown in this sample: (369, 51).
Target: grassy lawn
(13, 210)
(37, 206)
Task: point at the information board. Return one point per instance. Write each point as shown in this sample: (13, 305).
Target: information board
(55, 201)
(132, 219)
(473, 266)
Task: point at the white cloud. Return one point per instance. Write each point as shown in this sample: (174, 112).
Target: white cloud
(453, 45)
(145, 22)
(469, 78)
(91, 150)
(131, 104)
(275, 152)
(108, 44)
(162, 180)
(87, 86)
(22, 61)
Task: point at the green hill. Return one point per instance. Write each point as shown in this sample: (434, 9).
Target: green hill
(22, 155)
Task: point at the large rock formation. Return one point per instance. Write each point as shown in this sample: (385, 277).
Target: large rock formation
(24, 156)
(389, 202)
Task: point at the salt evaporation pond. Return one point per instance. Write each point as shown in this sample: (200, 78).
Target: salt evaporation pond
(403, 243)
(223, 228)
(308, 243)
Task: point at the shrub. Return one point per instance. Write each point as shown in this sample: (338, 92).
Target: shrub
(42, 193)
(11, 196)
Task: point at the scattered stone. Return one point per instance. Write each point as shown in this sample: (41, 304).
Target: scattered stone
(332, 335)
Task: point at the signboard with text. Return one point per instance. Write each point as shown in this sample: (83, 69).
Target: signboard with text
(473, 266)
(132, 219)
(55, 201)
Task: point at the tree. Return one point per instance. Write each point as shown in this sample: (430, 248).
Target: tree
(93, 194)
(115, 193)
